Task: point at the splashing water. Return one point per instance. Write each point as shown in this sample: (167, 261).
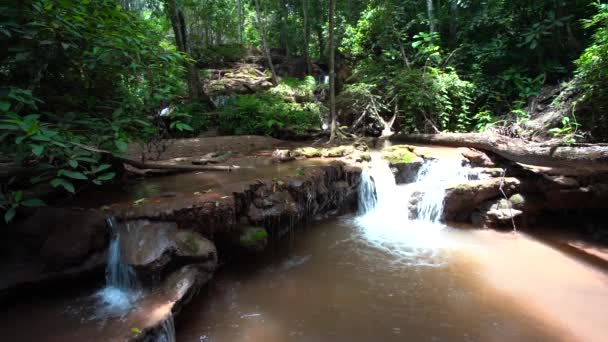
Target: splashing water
(122, 287)
(167, 330)
(384, 209)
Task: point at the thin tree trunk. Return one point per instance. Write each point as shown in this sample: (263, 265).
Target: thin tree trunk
(284, 32)
(430, 11)
(321, 43)
(240, 14)
(332, 71)
(258, 12)
(306, 36)
(178, 22)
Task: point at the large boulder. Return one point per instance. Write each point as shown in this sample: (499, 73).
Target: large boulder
(51, 245)
(462, 199)
(404, 163)
(476, 158)
(150, 247)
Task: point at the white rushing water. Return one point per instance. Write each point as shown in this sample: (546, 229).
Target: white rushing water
(384, 208)
(122, 286)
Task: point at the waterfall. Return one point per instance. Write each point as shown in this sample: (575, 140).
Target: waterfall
(167, 330)
(433, 179)
(383, 218)
(122, 286)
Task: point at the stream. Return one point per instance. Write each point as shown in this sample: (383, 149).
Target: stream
(373, 275)
(377, 275)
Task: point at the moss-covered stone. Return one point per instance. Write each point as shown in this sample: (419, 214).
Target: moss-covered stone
(399, 154)
(364, 156)
(254, 238)
(308, 152)
(338, 151)
(517, 201)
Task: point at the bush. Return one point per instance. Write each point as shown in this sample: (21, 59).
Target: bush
(291, 88)
(267, 114)
(592, 76)
(220, 54)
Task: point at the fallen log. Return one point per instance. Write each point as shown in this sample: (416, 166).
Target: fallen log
(160, 166)
(587, 157)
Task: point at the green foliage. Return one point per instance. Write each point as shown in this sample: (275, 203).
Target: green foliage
(80, 74)
(220, 54)
(569, 130)
(592, 75)
(267, 114)
(290, 87)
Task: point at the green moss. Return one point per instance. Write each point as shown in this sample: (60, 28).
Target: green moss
(399, 154)
(253, 236)
(338, 151)
(308, 152)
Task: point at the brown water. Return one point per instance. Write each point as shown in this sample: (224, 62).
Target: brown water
(329, 284)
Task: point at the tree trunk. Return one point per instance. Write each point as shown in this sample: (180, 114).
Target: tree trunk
(240, 14)
(178, 22)
(430, 11)
(306, 36)
(332, 71)
(258, 13)
(586, 157)
(284, 32)
(321, 43)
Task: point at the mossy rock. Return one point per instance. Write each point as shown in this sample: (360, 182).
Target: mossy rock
(338, 151)
(399, 154)
(254, 238)
(364, 156)
(518, 201)
(308, 152)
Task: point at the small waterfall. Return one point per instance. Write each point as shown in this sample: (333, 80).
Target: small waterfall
(122, 286)
(167, 330)
(384, 208)
(433, 179)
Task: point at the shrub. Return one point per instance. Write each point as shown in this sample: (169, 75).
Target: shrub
(267, 114)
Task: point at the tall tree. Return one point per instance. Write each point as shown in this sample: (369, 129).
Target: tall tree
(178, 22)
(306, 36)
(284, 27)
(430, 11)
(262, 31)
(241, 20)
(332, 71)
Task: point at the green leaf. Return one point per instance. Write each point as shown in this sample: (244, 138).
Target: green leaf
(9, 215)
(101, 168)
(34, 202)
(5, 106)
(37, 150)
(121, 145)
(73, 163)
(72, 174)
(68, 186)
(106, 176)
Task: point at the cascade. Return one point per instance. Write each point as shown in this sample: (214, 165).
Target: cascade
(167, 330)
(383, 218)
(122, 286)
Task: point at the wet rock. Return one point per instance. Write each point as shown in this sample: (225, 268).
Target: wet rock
(462, 199)
(338, 151)
(415, 198)
(51, 245)
(406, 172)
(563, 181)
(281, 156)
(150, 247)
(307, 152)
(490, 171)
(399, 154)
(476, 158)
(497, 214)
(253, 239)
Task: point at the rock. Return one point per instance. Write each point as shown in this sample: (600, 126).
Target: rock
(406, 172)
(563, 181)
(308, 152)
(462, 199)
(281, 156)
(51, 245)
(490, 171)
(476, 158)
(399, 154)
(497, 214)
(253, 239)
(363, 157)
(415, 198)
(339, 151)
(149, 247)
